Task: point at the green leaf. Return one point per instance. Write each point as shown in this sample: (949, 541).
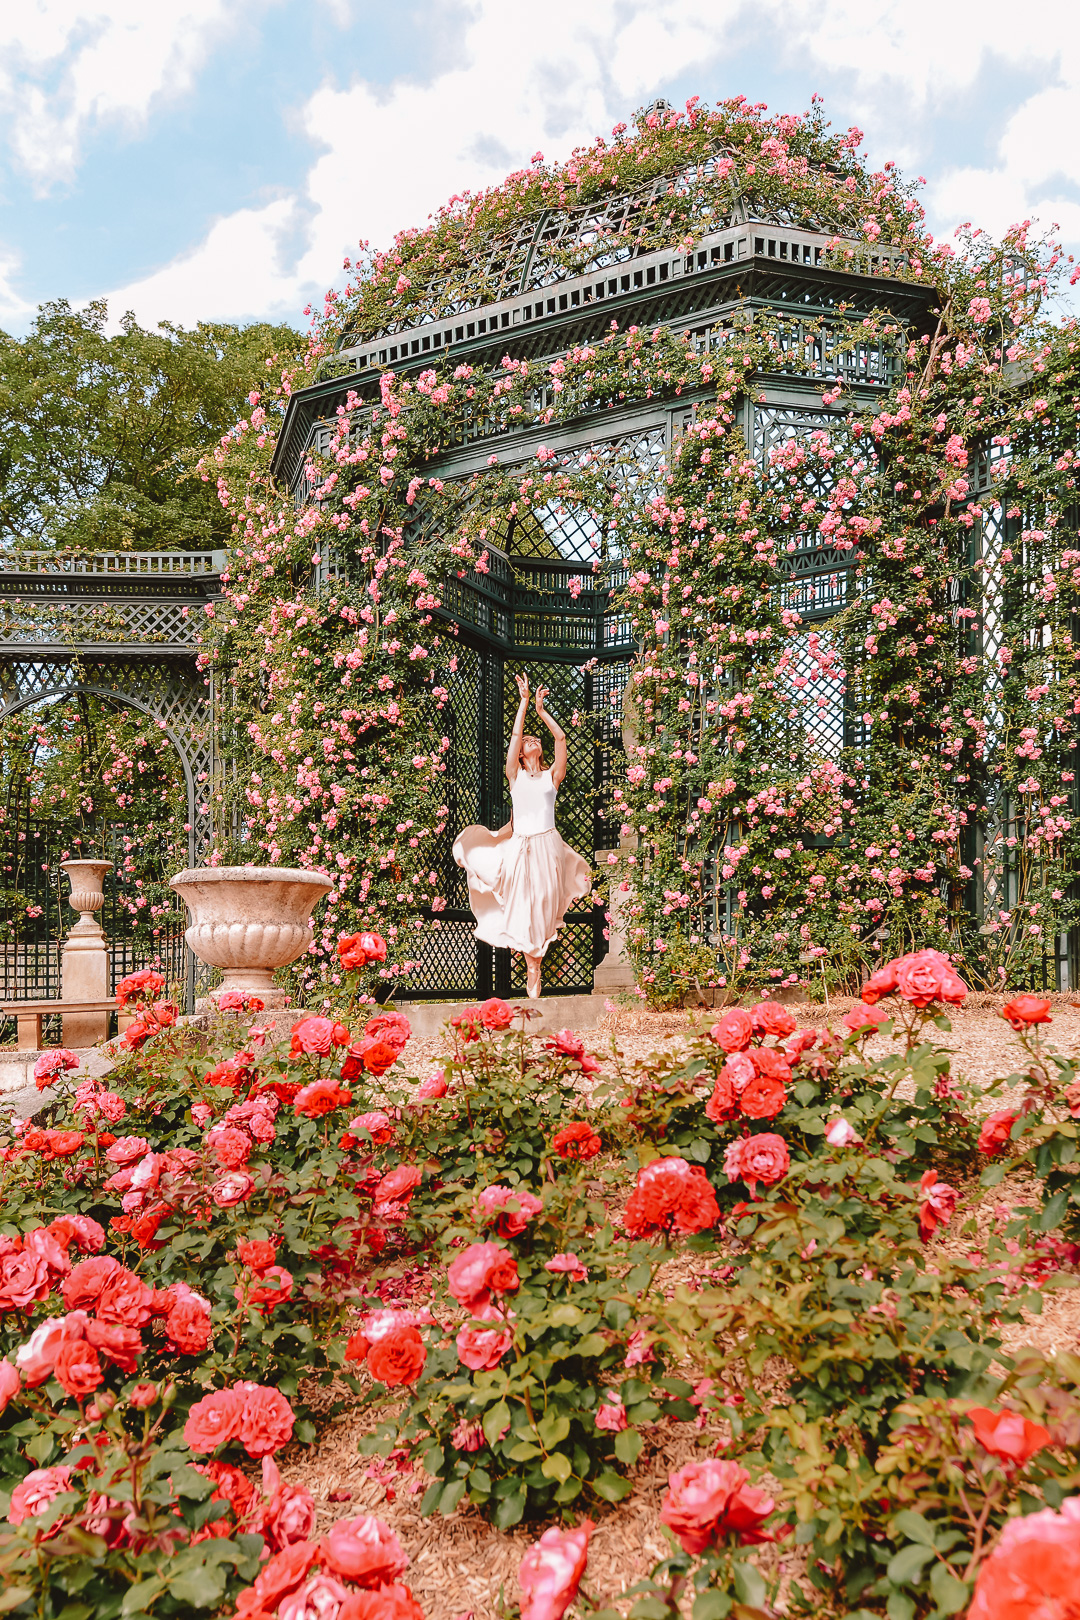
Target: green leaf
(451, 1496)
(913, 1527)
(749, 1584)
(40, 1448)
(142, 1593)
(14, 1596)
(900, 1607)
(201, 1587)
(712, 1606)
(593, 1344)
(524, 1451)
(510, 1510)
(496, 1419)
(907, 1566)
(565, 1316)
(699, 1150)
(628, 1444)
(430, 1499)
(950, 1593)
(650, 1608)
(1052, 1215)
(556, 1466)
(612, 1487)
(553, 1429)
(76, 1611)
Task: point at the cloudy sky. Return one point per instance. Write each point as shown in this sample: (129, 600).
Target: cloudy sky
(211, 159)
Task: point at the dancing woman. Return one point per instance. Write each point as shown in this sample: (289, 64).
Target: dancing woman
(523, 879)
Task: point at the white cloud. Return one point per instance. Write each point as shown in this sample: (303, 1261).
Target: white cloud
(66, 64)
(12, 306)
(528, 76)
(238, 271)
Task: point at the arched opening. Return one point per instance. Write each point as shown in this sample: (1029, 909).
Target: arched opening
(86, 771)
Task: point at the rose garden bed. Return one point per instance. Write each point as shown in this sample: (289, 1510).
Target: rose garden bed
(748, 1326)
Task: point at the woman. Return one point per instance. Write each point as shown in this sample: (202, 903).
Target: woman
(523, 878)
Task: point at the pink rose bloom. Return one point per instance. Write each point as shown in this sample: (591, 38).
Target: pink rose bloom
(763, 1158)
(289, 1514)
(320, 1598)
(711, 1499)
(611, 1414)
(202, 1114)
(36, 1357)
(940, 1205)
(34, 1494)
(509, 1209)
(638, 1348)
(924, 977)
(232, 1188)
(10, 1383)
(434, 1086)
(364, 1550)
(568, 1044)
(551, 1571)
(734, 1031)
(865, 1019)
(313, 1036)
(881, 983)
(483, 1348)
(126, 1149)
(495, 1014)
(478, 1271)
(1034, 1571)
(379, 1126)
(570, 1265)
(467, 1436)
(50, 1064)
(24, 1276)
(841, 1134)
(740, 1069)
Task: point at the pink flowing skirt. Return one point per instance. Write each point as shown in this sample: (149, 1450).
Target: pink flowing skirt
(520, 886)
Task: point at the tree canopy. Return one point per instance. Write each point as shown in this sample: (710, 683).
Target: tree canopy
(100, 432)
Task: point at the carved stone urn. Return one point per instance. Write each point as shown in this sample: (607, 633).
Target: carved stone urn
(84, 959)
(87, 880)
(249, 920)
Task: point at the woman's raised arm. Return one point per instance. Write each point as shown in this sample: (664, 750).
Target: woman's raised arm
(519, 727)
(558, 769)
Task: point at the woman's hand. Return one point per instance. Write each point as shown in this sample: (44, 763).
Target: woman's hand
(541, 694)
(523, 687)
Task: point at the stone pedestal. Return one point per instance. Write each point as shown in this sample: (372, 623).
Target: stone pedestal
(614, 975)
(249, 920)
(84, 959)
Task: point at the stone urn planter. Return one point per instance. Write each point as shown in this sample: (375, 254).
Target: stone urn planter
(249, 920)
(84, 959)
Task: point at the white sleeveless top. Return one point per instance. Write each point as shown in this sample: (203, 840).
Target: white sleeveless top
(533, 798)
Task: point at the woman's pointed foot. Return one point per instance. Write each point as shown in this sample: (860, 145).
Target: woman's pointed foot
(533, 981)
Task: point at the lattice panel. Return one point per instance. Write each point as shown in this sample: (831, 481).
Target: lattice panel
(447, 957)
(123, 624)
(814, 690)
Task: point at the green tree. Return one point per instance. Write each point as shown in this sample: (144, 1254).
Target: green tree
(100, 433)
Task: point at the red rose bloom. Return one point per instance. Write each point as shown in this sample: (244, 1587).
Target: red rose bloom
(397, 1357)
(671, 1195)
(495, 1014)
(996, 1132)
(392, 1027)
(232, 1148)
(215, 1420)
(77, 1368)
(1008, 1436)
(312, 1037)
(397, 1186)
(187, 1321)
(576, 1141)
(123, 1345)
(319, 1098)
(373, 1054)
(724, 1102)
(274, 1287)
(763, 1158)
(881, 983)
(361, 950)
(266, 1422)
(1034, 1571)
(864, 1020)
(256, 1253)
(125, 1299)
(1024, 1010)
(24, 1276)
(924, 977)
(479, 1271)
(364, 1550)
(770, 1018)
(481, 1349)
(391, 1602)
(551, 1571)
(763, 1098)
(734, 1031)
(82, 1286)
(62, 1144)
(282, 1575)
(712, 1499)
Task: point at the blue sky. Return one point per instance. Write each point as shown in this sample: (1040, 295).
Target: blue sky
(216, 158)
